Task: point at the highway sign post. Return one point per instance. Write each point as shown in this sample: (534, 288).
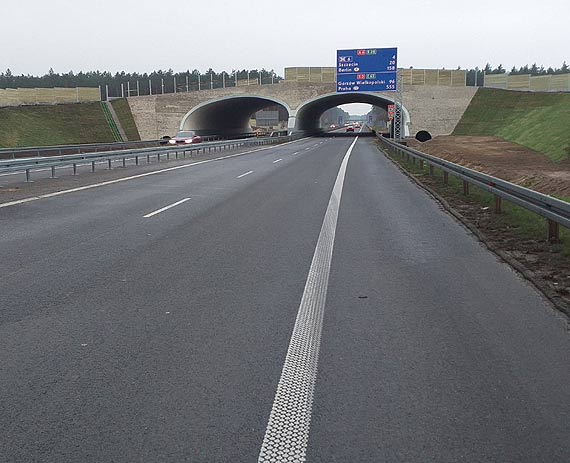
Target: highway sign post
(366, 70)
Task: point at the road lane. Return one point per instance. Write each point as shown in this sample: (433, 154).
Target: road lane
(128, 339)
(432, 350)
(92, 361)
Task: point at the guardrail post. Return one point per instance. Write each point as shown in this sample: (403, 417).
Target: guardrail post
(498, 204)
(158, 157)
(465, 187)
(445, 177)
(124, 162)
(421, 164)
(92, 166)
(148, 158)
(53, 172)
(431, 172)
(553, 232)
(136, 160)
(109, 163)
(28, 176)
(74, 168)
(168, 155)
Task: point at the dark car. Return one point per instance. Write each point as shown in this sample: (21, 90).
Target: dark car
(184, 138)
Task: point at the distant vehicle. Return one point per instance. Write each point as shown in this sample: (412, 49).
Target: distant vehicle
(332, 126)
(357, 125)
(164, 140)
(350, 129)
(184, 138)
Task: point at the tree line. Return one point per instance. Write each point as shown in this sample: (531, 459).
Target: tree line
(145, 83)
(161, 81)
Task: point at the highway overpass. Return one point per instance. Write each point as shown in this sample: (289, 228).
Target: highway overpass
(434, 108)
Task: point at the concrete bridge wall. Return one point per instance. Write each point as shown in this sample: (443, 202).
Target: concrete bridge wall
(433, 108)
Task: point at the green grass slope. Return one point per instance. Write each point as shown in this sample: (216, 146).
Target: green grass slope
(53, 125)
(125, 116)
(540, 121)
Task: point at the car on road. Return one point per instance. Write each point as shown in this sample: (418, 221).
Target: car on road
(332, 126)
(350, 129)
(185, 137)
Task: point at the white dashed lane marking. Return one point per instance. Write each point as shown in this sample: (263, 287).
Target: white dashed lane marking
(244, 174)
(277, 160)
(165, 208)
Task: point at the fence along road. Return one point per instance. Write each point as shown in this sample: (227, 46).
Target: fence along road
(163, 338)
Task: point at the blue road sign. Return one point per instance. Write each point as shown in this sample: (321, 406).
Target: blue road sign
(366, 70)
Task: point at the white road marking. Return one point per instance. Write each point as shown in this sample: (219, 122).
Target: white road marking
(133, 177)
(165, 208)
(296, 152)
(244, 174)
(277, 160)
(287, 432)
(307, 148)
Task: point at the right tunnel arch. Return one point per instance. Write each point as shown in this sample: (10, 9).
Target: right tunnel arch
(306, 118)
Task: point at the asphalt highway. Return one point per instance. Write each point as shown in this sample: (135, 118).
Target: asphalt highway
(305, 300)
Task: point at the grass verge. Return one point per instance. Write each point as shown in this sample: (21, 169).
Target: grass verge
(123, 110)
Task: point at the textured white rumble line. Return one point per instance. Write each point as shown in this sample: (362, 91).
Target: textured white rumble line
(287, 432)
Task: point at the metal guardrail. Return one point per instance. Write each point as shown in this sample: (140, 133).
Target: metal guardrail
(53, 162)
(14, 153)
(556, 211)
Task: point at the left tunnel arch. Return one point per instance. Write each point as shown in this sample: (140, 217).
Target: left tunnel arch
(226, 116)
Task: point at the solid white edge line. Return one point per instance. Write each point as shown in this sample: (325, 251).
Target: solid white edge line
(165, 208)
(132, 177)
(277, 160)
(244, 174)
(287, 433)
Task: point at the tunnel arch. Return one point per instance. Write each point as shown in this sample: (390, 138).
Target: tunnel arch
(228, 115)
(306, 117)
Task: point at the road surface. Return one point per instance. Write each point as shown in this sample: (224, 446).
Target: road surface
(150, 320)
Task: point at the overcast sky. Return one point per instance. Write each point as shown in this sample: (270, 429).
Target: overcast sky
(142, 36)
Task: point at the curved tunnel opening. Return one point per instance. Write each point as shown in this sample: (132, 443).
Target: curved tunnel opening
(229, 116)
(308, 116)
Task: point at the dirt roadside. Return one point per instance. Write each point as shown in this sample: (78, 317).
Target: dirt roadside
(540, 262)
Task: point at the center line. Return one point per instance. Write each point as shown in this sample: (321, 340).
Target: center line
(287, 432)
(277, 160)
(243, 175)
(162, 209)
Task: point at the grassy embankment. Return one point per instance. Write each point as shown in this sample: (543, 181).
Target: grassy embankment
(540, 121)
(53, 125)
(65, 124)
(125, 116)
